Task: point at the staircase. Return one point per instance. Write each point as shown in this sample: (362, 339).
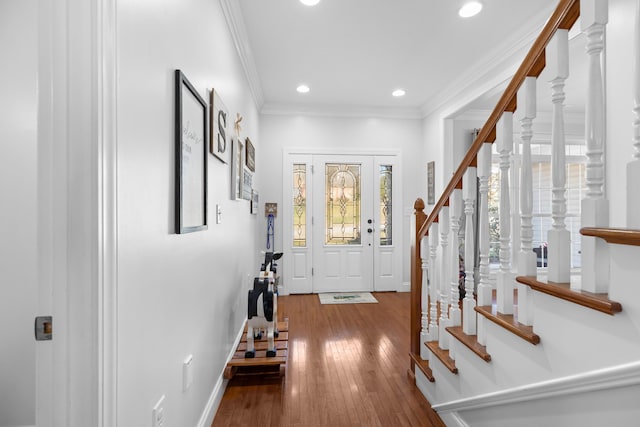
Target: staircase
(526, 346)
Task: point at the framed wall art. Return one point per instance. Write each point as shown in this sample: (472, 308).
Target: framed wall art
(254, 202)
(190, 157)
(220, 143)
(431, 182)
(237, 168)
(250, 155)
(247, 184)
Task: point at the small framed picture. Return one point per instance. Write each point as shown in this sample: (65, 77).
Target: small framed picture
(220, 143)
(247, 184)
(250, 155)
(431, 182)
(237, 168)
(190, 157)
(254, 202)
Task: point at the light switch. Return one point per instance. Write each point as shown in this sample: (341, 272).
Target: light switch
(158, 414)
(218, 214)
(187, 373)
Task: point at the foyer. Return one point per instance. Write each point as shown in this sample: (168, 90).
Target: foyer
(347, 367)
(144, 318)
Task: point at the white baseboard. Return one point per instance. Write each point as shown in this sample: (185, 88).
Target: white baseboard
(211, 408)
(405, 287)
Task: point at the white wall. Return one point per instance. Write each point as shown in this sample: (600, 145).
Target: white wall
(619, 93)
(300, 131)
(178, 295)
(18, 225)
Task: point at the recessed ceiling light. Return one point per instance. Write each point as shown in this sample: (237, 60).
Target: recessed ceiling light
(470, 9)
(310, 2)
(303, 88)
(398, 92)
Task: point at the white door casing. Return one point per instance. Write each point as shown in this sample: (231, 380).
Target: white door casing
(313, 259)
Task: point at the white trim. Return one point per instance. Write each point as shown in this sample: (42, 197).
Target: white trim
(602, 379)
(238, 31)
(342, 111)
(107, 212)
(494, 60)
(341, 152)
(211, 408)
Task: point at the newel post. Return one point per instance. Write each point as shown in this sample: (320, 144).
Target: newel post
(417, 221)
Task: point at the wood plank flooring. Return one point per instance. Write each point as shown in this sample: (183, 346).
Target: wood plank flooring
(347, 367)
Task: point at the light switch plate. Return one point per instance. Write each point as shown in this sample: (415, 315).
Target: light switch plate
(218, 214)
(158, 414)
(187, 373)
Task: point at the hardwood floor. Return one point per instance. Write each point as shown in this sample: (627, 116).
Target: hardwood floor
(347, 367)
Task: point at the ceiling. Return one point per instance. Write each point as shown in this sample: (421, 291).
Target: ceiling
(354, 53)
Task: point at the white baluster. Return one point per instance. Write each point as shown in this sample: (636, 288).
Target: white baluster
(559, 249)
(424, 332)
(469, 188)
(443, 217)
(433, 282)
(526, 258)
(633, 168)
(484, 287)
(504, 139)
(595, 208)
(455, 208)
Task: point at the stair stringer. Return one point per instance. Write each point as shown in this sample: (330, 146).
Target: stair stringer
(604, 397)
(576, 342)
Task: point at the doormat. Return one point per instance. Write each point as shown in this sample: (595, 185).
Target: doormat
(347, 298)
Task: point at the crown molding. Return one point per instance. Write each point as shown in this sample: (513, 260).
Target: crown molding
(238, 31)
(341, 111)
(493, 65)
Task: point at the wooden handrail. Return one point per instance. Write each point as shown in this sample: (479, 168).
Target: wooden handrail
(564, 16)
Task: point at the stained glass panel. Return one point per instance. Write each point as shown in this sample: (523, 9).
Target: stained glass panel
(342, 204)
(386, 199)
(299, 205)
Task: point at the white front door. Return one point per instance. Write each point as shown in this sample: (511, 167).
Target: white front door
(342, 223)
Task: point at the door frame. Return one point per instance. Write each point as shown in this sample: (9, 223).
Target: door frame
(77, 219)
(306, 154)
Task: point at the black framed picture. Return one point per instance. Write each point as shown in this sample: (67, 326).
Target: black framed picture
(191, 145)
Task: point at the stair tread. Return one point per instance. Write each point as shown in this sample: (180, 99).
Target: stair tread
(443, 355)
(509, 322)
(423, 365)
(599, 302)
(621, 236)
(471, 341)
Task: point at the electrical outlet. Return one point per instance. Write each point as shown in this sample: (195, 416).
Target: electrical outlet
(187, 373)
(158, 414)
